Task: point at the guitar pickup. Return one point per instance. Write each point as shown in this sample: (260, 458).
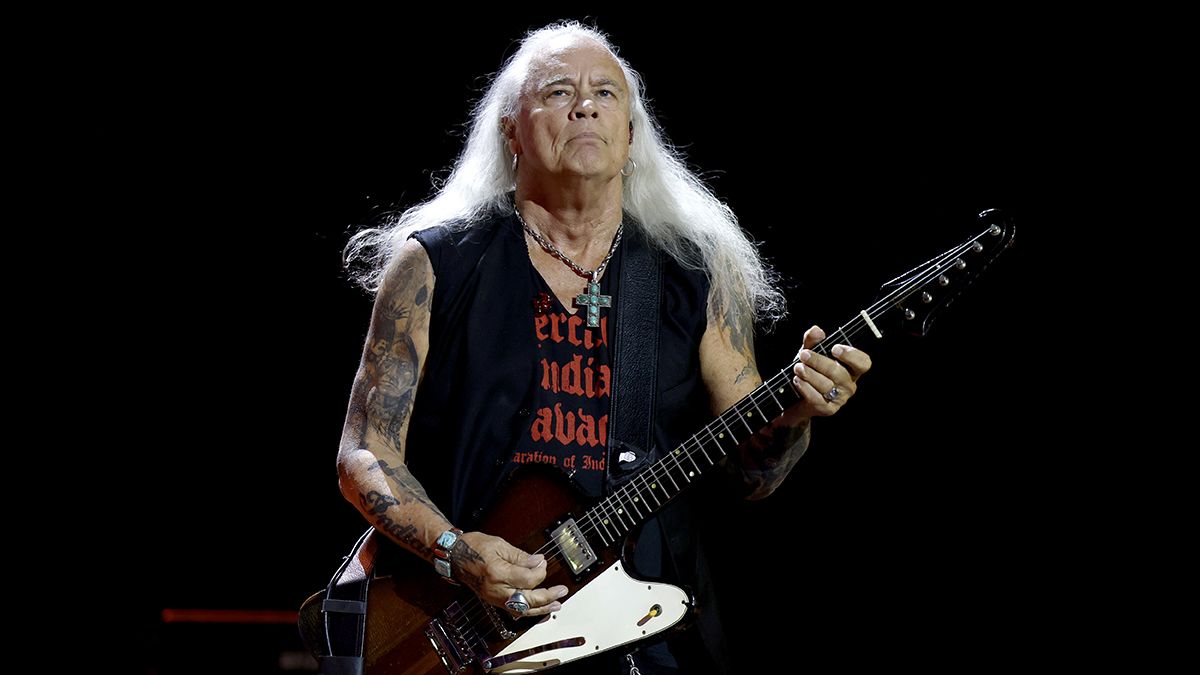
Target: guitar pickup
(575, 549)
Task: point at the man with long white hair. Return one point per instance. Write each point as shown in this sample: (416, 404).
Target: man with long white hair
(495, 351)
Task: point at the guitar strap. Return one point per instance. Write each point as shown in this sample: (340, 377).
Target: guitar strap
(635, 352)
(345, 611)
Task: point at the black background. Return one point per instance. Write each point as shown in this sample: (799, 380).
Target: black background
(903, 533)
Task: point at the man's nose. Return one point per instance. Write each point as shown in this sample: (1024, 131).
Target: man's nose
(585, 108)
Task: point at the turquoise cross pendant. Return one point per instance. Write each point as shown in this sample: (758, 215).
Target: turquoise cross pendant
(593, 301)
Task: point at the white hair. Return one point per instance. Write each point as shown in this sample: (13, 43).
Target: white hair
(677, 211)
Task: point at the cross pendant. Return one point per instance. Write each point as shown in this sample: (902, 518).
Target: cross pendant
(593, 301)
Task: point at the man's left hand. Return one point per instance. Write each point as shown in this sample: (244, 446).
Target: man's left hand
(825, 384)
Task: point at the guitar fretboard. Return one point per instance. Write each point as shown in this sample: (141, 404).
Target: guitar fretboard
(617, 514)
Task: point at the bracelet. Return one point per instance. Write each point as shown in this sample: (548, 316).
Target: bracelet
(441, 553)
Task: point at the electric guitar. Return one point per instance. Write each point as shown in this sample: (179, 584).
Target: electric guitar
(418, 625)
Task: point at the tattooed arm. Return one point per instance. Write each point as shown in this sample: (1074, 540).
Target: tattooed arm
(727, 363)
(371, 461)
(371, 467)
(730, 372)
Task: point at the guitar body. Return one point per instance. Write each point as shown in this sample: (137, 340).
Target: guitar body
(419, 625)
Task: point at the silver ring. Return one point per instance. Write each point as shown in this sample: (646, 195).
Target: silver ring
(517, 603)
(832, 395)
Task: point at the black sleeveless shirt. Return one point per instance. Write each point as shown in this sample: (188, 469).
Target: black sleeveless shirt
(479, 392)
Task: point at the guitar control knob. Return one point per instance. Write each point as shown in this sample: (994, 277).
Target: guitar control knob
(943, 280)
(926, 298)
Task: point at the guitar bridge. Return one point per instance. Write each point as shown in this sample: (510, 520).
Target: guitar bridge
(446, 646)
(574, 546)
(451, 643)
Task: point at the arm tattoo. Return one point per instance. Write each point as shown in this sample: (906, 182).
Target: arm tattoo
(376, 505)
(460, 553)
(746, 372)
(767, 457)
(741, 331)
(380, 406)
(389, 401)
(391, 366)
(406, 485)
(741, 334)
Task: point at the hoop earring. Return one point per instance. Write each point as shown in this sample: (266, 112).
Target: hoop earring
(514, 164)
(631, 165)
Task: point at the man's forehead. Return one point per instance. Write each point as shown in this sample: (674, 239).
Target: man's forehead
(556, 64)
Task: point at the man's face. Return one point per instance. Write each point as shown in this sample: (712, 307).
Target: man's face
(574, 115)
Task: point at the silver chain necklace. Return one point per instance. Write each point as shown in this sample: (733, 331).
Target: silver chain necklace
(591, 298)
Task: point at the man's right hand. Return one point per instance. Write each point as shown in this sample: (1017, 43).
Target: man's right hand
(495, 569)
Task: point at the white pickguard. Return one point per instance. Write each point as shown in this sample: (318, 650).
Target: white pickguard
(605, 612)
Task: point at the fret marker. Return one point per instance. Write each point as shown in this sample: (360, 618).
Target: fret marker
(654, 486)
(635, 499)
(606, 521)
(677, 452)
(750, 414)
(866, 317)
(781, 390)
(620, 510)
(691, 473)
(720, 435)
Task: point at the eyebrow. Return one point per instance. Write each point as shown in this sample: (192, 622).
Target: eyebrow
(566, 79)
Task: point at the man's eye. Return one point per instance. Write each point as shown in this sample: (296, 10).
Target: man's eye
(605, 92)
(556, 92)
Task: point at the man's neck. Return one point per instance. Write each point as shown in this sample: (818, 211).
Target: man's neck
(573, 216)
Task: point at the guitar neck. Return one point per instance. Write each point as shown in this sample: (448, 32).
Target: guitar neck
(654, 487)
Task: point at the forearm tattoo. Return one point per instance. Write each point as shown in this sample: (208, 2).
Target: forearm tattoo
(462, 553)
(405, 485)
(377, 505)
(405, 490)
(768, 456)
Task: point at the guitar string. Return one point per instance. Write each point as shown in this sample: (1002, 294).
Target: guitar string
(939, 265)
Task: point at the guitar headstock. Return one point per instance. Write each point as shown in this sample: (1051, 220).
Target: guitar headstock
(920, 295)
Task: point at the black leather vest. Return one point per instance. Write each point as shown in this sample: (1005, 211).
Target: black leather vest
(476, 393)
